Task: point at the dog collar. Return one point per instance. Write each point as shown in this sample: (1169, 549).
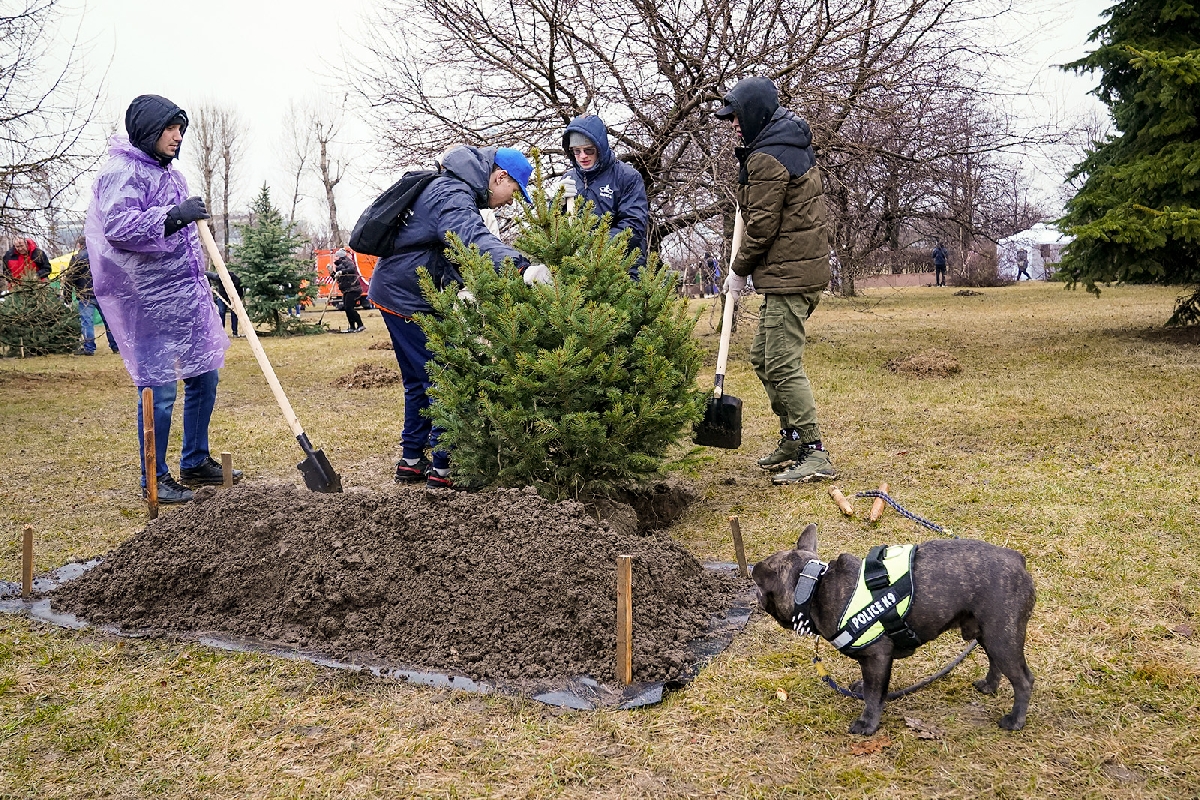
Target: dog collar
(802, 596)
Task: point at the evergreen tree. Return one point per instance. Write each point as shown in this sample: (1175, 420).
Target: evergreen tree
(35, 321)
(1137, 216)
(574, 387)
(275, 280)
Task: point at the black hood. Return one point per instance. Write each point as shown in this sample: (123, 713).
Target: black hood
(145, 120)
(784, 128)
(787, 138)
(755, 101)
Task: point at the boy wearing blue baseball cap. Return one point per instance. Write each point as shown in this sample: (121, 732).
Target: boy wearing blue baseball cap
(471, 179)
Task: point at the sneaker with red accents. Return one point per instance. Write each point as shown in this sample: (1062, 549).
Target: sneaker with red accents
(439, 479)
(412, 473)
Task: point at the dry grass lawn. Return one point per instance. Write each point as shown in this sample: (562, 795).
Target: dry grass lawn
(1070, 433)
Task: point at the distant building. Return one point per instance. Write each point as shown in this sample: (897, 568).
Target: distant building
(1041, 246)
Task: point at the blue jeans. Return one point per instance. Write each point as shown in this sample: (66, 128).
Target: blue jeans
(412, 354)
(199, 397)
(223, 309)
(87, 309)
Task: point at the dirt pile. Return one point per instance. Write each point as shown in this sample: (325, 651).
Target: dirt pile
(367, 375)
(384, 344)
(937, 363)
(499, 585)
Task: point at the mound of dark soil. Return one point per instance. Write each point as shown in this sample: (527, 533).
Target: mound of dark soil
(937, 363)
(384, 344)
(499, 585)
(367, 376)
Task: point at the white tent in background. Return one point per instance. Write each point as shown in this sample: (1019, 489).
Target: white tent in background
(1042, 248)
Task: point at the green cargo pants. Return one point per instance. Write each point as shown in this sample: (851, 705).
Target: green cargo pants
(778, 359)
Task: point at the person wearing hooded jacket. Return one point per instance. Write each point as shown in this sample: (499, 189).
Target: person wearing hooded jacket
(785, 247)
(148, 275)
(25, 261)
(77, 278)
(472, 179)
(614, 187)
(345, 272)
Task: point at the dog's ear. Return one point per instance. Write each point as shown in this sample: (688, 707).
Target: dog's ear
(808, 539)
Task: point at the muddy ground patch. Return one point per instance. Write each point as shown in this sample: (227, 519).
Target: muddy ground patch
(497, 585)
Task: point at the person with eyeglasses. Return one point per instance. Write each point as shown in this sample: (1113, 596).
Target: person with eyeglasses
(596, 174)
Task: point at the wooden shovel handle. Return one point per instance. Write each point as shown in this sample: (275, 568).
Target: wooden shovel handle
(739, 228)
(256, 347)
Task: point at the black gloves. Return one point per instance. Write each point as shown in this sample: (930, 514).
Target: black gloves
(186, 212)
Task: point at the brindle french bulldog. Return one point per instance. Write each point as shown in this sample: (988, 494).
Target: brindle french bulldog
(979, 588)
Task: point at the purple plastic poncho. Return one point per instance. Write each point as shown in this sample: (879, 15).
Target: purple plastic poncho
(151, 287)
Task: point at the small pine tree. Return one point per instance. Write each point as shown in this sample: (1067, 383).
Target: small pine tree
(1137, 216)
(275, 280)
(35, 321)
(575, 387)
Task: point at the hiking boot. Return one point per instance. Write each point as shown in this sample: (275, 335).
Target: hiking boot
(812, 465)
(207, 474)
(412, 473)
(784, 455)
(170, 492)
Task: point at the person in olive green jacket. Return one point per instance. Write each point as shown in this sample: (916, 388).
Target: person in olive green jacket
(785, 247)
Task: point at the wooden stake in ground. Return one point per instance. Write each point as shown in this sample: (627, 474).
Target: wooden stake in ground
(878, 506)
(227, 470)
(738, 548)
(625, 619)
(149, 451)
(27, 564)
(841, 501)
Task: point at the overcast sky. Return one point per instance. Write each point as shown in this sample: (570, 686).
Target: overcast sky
(256, 56)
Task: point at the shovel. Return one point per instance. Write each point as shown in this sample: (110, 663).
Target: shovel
(722, 424)
(318, 473)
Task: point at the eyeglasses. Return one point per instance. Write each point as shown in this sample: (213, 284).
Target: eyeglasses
(584, 151)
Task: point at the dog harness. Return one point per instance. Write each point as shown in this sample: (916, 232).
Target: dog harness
(880, 602)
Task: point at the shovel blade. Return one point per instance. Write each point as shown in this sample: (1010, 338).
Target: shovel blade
(318, 473)
(722, 424)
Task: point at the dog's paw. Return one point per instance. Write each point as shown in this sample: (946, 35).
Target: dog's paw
(862, 727)
(987, 687)
(1012, 722)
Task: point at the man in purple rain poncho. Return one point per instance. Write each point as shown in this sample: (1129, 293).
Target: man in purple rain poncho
(149, 280)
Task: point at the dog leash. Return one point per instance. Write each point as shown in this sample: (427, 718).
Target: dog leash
(824, 675)
(904, 512)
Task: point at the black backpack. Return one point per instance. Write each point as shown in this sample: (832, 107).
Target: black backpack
(375, 232)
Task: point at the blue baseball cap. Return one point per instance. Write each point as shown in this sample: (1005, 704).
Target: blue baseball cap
(517, 166)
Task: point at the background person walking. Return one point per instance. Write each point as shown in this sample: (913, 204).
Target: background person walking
(350, 284)
(78, 277)
(939, 265)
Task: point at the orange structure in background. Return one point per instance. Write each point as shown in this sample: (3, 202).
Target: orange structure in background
(326, 284)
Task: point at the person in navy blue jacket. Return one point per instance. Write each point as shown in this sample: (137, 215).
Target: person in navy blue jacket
(472, 178)
(597, 175)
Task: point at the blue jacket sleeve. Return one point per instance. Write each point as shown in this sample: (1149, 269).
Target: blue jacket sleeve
(461, 218)
(633, 212)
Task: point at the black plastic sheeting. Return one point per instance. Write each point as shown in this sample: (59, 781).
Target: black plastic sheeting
(580, 693)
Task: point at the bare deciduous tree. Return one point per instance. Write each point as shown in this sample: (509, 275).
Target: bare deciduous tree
(46, 114)
(881, 82)
(299, 152)
(231, 134)
(315, 129)
(215, 148)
